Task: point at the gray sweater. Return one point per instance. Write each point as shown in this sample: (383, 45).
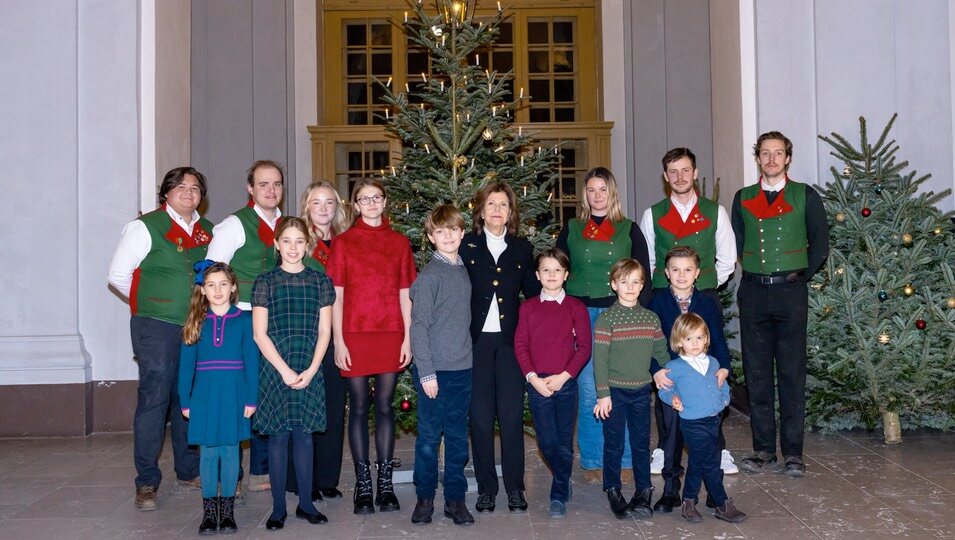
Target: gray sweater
(441, 318)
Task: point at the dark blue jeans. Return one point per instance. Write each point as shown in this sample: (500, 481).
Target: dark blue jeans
(704, 462)
(554, 421)
(447, 413)
(156, 346)
(630, 412)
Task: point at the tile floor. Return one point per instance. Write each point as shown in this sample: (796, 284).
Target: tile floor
(855, 487)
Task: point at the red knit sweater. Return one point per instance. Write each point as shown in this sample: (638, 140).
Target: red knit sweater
(552, 338)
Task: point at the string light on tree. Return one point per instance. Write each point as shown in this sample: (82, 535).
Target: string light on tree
(908, 290)
(884, 338)
(907, 239)
(840, 217)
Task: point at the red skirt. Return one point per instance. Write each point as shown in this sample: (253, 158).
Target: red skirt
(373, 352)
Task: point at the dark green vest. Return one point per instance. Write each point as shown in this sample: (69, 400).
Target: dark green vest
(590, 260)
(774, 238)
(254, 257)
(163, 283)
(703, 240)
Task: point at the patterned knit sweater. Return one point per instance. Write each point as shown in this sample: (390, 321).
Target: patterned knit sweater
(625, 339)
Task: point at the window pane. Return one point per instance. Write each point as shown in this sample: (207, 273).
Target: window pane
(381, 35)
(507, 33)
(538, 61)
(540, 115)
(377, 94)
(540, 90)
(563, 32)
(379, 160)
(417, 62)
(357, 93)
(563, 90)
(356, 64)
(509, 90)
(355, 34)
(568, 186)
(564, 115)
(378, 118)
(537, 32)
(381, 64)
(357, 118)
(503, 60)
(563, 61)
(568, 157)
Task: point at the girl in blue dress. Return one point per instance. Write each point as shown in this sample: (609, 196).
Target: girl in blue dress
(218, 387)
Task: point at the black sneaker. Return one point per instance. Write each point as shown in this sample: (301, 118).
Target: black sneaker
(794, 466)
(618, 505)
(423, 511)
(485, 503)
(758, 462)
(458, 512)
(516, 501)
(640, 503)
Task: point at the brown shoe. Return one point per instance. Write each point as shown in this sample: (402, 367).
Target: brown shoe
(195, 483)
(729, 513)
(259, 482)
(146, 499)
(689, 512)
(593, 476)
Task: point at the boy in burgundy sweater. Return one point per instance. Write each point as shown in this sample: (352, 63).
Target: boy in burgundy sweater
(552, 344)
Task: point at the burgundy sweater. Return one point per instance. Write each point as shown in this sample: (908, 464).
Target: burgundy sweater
(552, 338)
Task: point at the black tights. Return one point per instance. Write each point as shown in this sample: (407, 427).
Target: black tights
(384, 417)
(278, 469)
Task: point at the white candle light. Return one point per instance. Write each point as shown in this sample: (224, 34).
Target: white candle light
(424, 77)
(498, 6)
(522, 161)
(522, 92)
(407, 89)
(520, 130)
(406, 16)
(426, 149)
(477, 60)
(389, 82)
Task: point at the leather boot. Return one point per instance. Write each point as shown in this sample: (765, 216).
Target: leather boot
(364, 502)
(423, 511)
(458, 512)
(640, 503)
(227, 515)
(689, 512)
(385, 496)
(619, 505)
(728, 512)
(210, 516)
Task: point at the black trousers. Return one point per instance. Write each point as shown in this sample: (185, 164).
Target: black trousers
(773, 340)
(497, 393)
(327, 454)
(670, 440)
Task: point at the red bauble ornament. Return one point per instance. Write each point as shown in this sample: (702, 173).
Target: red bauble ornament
(920, 324)
(405, 405)
(866, 212)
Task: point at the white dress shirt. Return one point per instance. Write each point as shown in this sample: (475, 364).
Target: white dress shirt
(778, 186)
(229, 235)
(559, 297)
(725, 240)
(700, 362)
(134, 245)
(496, 245)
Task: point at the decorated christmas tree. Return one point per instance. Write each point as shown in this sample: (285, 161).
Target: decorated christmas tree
(882, 310)
(455, 124)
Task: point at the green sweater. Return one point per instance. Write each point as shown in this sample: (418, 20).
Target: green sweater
(625, 338)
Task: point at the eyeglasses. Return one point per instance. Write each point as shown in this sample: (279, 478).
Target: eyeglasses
(365, 201)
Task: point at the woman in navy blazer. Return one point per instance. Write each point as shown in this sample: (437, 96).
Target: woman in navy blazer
(501, 267)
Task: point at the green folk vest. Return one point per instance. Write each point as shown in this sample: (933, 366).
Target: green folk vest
(590, 260)
(774, 238)
(255, 257)
(163, 283)
(699, 233)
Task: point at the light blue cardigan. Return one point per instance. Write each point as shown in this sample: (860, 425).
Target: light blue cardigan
(700, 395)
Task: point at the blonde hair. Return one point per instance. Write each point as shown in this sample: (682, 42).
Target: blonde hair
(338, 225)
(685, 325)
(625, 267)
(614, 210)
(199, 304)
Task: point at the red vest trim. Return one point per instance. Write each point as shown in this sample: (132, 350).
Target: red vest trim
(601, 233)
(759, 206)
(673, 223)
(321, 252)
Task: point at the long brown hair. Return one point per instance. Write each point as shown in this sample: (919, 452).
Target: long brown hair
(338, 224)
(514, 217)
(363, 183)
(199, 305)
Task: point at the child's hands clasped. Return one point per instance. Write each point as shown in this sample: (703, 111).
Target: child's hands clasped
(303, 379)
(677, 404)
(603, 407)
(430, 388)
(556, 382)
(541, 386)
(289, 377)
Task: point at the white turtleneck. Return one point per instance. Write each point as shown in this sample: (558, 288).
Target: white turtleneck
(496, 245)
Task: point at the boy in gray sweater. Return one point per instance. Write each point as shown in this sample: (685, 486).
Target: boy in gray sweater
(441, 347)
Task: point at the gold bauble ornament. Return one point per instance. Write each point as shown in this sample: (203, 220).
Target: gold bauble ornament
(487, 134)
(950, 302)
(846, 171)
(884, 338)
(908, 290)
(840, 217)
(937, 231)
(906, 238)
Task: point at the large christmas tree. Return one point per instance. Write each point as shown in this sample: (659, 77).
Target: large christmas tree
(882, 312)
(455, 124)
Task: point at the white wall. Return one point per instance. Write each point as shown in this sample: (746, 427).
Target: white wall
(840, 60)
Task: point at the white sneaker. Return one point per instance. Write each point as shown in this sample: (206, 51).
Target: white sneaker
(656, 461)
(727, 463)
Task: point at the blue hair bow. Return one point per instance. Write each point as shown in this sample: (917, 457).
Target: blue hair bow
(200, 269)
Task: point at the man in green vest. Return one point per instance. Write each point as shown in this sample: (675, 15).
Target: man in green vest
(782, 235)
(152, 267)
(685, 219)
(245, 241)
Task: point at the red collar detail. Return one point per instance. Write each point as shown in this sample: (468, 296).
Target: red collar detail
(601, 233)
(182, 240)
(266, 234)
(321, 252)
(759, 206)
(674, 224)
(251, 202)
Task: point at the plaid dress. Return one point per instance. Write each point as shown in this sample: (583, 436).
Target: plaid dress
(293, 301)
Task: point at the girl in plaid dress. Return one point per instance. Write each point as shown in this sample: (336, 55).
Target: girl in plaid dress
(291, 320)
